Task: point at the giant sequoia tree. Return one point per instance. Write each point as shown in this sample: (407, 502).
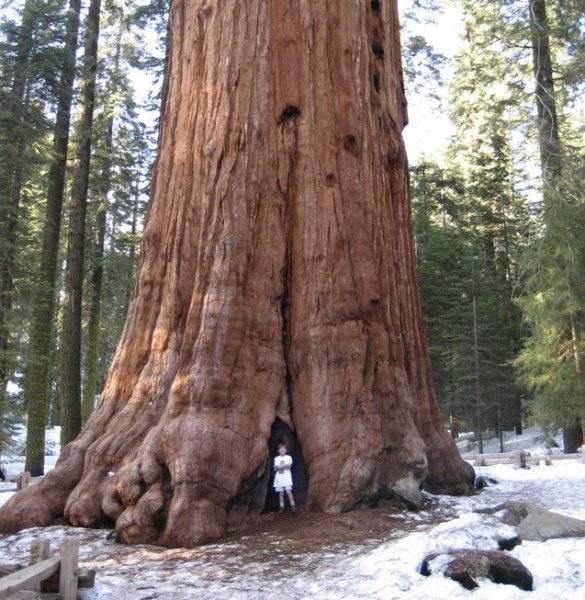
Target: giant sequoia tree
(276, 292)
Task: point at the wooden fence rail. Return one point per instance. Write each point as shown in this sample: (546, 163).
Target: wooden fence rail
(21, 479)
(59, 571)
(521, 459)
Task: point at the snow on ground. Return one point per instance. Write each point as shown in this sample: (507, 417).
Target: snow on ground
(374, 570)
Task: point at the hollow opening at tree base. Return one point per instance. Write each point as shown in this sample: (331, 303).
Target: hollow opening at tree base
(282, 433)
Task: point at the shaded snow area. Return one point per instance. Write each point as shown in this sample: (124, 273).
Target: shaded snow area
(381, 566)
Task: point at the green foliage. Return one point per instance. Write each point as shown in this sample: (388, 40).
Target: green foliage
(29, 50)
(470, 219)
(122, 159)
(466, 301)
(10, 424)
(551, 362)
(422, 62)
(32, 39)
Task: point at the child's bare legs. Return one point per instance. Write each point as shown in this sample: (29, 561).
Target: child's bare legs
(290, 499)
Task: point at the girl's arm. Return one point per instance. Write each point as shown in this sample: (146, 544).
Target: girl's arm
(286, 467)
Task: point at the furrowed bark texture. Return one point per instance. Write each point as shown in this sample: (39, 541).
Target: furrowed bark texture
(276, 285)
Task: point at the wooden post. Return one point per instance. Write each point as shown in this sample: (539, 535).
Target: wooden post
(520, 459)
(23, 480)
(68, 573)
(39, 550)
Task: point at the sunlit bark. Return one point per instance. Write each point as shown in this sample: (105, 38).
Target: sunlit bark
(276, 292)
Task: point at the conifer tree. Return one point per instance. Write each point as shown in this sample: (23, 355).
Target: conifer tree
(70, 362)
(29, 62)
(490, 216)
(117, 194)
(554, 305)
(102, 189)
(19, 124)
(42, 325)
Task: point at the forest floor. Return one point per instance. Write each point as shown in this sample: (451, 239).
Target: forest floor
(304, 544)
(305, 532)
(369, 554)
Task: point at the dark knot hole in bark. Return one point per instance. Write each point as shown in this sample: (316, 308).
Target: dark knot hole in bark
(281, 433)
(330, 180)
(377, 81)
(375, 4)
(289, 112)
(377, 50)
(350, 144)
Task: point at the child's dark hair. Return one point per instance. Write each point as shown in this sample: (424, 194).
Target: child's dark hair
(281, 445)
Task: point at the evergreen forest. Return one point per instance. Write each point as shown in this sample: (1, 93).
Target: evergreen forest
(498, 209)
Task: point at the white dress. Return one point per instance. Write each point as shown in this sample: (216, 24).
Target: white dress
(283, 478)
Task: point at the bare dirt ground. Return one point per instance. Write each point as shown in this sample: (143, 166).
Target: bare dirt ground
(305, 531)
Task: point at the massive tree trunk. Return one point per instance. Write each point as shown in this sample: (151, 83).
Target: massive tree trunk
(276, 293)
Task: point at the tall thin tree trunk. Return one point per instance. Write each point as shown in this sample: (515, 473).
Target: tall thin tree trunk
(548, 127)
(41, 344)
(91, 365)
(70, 364)
(276, 293)
(551, 168)
(478, 401)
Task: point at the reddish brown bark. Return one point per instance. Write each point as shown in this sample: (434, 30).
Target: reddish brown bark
(276, 290)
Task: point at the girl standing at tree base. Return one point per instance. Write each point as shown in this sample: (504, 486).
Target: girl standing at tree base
(283, 478)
